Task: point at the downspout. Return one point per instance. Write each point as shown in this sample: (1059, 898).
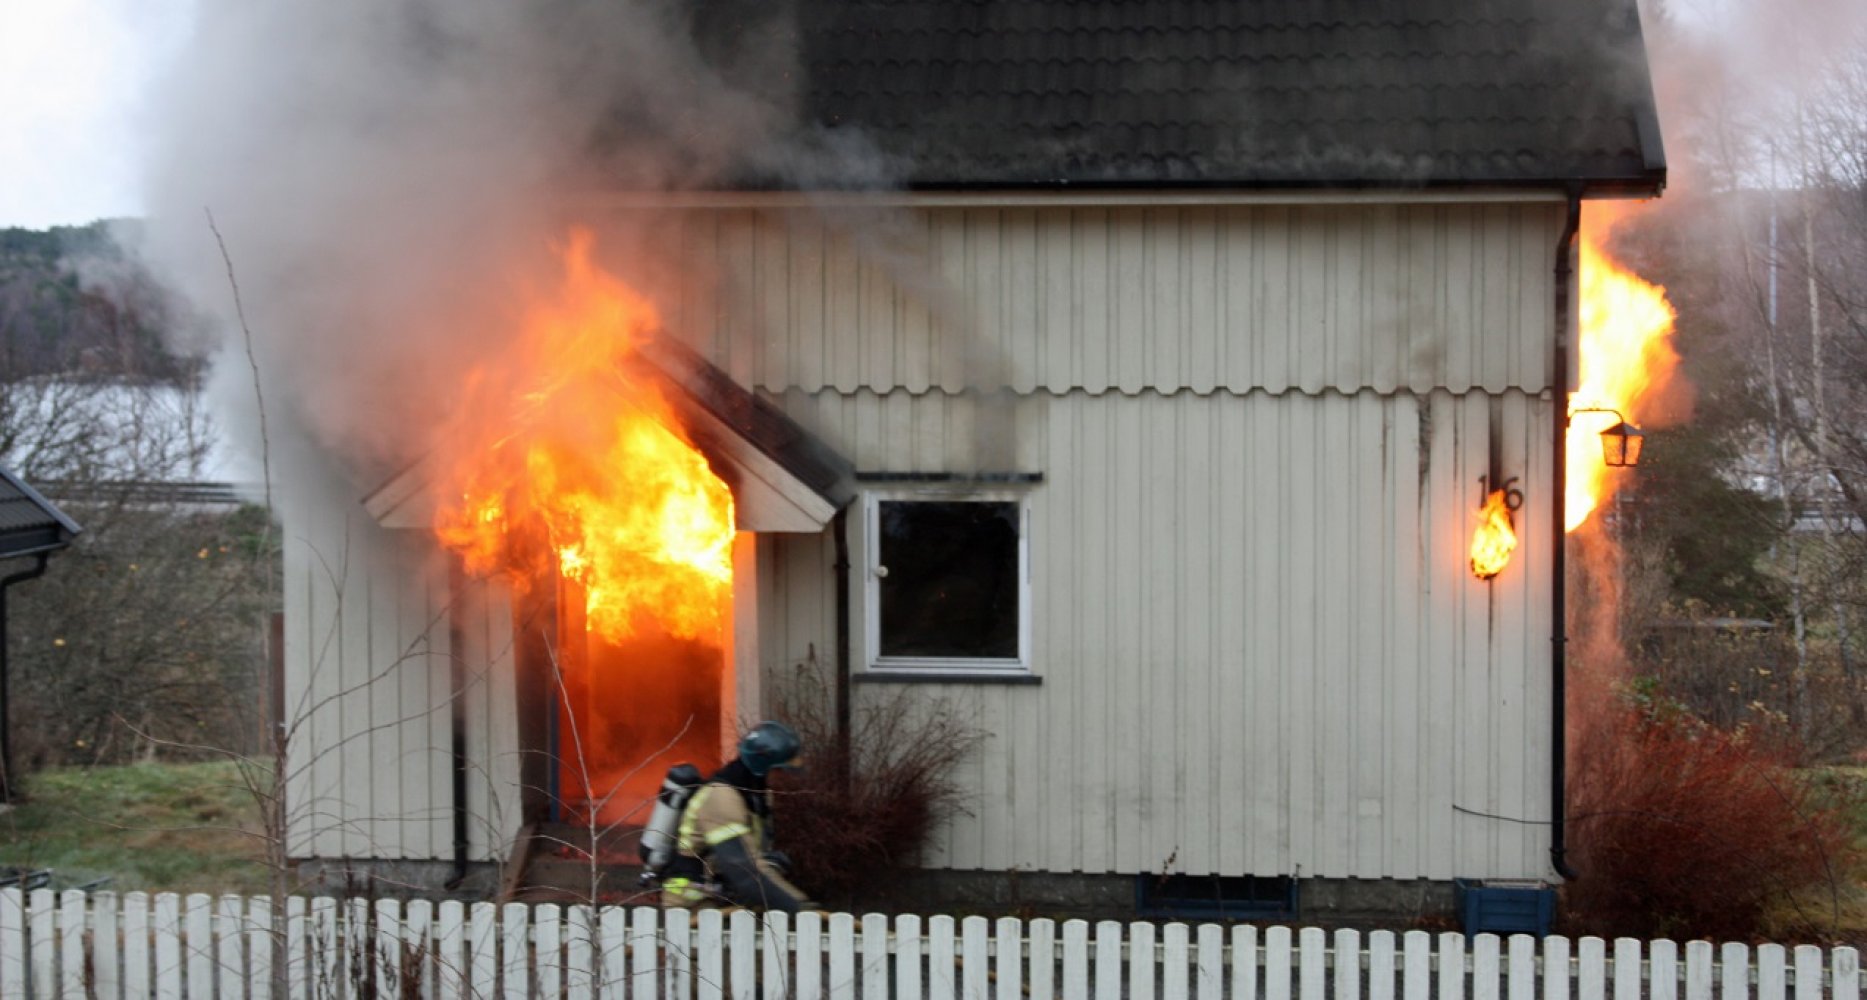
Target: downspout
(1559, 606)
(840, 528)
(6, 725)
(457, 676)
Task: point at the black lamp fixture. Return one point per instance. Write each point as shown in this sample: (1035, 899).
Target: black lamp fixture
(1620, 444)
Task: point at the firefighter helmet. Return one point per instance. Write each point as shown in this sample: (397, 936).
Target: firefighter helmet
(770, 744)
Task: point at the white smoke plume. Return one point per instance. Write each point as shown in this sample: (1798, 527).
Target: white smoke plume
(388, 173)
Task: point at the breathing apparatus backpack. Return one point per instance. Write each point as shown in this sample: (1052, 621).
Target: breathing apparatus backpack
(664, 823)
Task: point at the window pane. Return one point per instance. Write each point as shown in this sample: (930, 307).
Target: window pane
(952, 583)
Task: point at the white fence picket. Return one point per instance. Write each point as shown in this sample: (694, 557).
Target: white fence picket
(1485, 967)
(1108, 974)
(71, 926)
(1451, 966)
(1520, 973)
(645, 952)
(1042, 942)
(678, 978)
(547, 948)
(1209, 977)
(1772, 972)
(1312, 959)
(775, 933)
(482, 951)
(515, 926)
(807, 958)
(1140, 962)
(1663, 971)
(744, 942)
(1591, 969)
(1808, 972)
(230, 944)
(1698, 970)
(1416, 966)
(42, 929)
(1276, 962)
(908, 979)
(135, 948)
(1075, 958)
(383, 953)
(1555, 968)
(1381, 965)
(326, 967)
(1847, 974)
(450, 964)
(874, 957)
(418, 944)
(1734, 971)
(580, 952)
(168, 946)
(256, 926)
(677, 929)
(976, 958)
(1627, 972)
(1173, 959)
(106, 954)
(1245, 962)
(941, 983)
(298, 945)
(1347, 964)
(12, 943)
(1010, 968)
(710, 956)
(612, 952)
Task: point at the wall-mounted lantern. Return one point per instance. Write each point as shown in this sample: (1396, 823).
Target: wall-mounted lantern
(1620, 444)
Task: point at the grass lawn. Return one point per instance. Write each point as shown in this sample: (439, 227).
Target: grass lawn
(155, 827)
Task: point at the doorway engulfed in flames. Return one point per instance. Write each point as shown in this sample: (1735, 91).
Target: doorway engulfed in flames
(569, 474)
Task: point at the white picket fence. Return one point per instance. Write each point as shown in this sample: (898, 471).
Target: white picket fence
(82, 945)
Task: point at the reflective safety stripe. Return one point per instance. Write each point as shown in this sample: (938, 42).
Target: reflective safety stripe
(686, 890)
(721, 834)
(684, 839)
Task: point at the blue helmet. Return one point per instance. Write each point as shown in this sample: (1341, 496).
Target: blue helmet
(770, 744)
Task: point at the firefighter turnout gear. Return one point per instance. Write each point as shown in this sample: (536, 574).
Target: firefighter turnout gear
(720, 851)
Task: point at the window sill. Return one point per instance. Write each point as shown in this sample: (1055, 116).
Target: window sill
(943, 677)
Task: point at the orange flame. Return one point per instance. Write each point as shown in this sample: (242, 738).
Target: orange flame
(1625, 356)
(567, 436)
(1495, 539)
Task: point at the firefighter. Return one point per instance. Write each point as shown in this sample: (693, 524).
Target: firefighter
(723, 852)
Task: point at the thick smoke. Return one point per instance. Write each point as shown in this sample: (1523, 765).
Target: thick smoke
(387, 176)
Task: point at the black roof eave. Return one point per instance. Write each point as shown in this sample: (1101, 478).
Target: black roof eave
(1649, 183)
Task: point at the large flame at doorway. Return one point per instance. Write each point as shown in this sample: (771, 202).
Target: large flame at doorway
(568, 470)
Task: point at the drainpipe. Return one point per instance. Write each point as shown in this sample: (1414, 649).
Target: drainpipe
(6, 726)
(840, 528)
(1559, 609)
(457, 674)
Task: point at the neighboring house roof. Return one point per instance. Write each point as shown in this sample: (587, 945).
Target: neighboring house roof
(29, 524)
(1055, 93)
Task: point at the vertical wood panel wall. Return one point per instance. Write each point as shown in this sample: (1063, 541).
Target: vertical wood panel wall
(1278, 297)
(368, 683)
(1261, 646)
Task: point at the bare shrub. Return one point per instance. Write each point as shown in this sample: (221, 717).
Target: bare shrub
(860, 812)
(1682, 828)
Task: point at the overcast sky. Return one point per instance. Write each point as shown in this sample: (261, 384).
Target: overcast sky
(73, 74)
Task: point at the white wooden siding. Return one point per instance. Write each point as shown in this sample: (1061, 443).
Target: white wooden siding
(1261, 646)
(368, 682)
(1241, 297)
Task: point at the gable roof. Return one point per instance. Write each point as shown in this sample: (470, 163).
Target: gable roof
(29, 523)
(1252, 93)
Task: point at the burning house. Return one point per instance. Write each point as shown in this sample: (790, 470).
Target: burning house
(1144, 408)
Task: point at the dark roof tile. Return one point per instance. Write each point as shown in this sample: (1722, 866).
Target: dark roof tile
(1237, 92)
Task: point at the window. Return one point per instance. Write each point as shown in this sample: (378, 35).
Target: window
(948, 581)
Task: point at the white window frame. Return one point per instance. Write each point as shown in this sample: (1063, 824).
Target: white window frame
(869, 564)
